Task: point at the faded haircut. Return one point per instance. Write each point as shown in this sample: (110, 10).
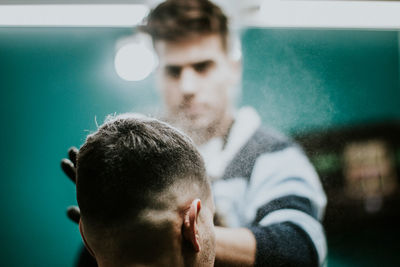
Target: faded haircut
(126, 171)
(177, 20)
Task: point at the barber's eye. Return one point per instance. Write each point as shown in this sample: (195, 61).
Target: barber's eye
(203, 67)
(173, 71)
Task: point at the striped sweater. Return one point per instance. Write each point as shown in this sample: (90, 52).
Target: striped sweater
(263, 181)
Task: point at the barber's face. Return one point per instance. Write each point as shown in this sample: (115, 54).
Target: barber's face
(195, 78)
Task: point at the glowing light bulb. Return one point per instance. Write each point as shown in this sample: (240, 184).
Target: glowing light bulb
(134, 62)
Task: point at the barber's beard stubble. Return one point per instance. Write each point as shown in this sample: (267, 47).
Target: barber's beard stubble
(199, 128)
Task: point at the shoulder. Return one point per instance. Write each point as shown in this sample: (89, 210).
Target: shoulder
(262, 141)
(269, 140)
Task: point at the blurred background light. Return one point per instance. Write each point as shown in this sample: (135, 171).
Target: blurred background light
(134, 61)
(105, 15)
(326, 14)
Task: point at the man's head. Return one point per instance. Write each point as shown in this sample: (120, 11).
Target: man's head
(196, 73)
(144, 196)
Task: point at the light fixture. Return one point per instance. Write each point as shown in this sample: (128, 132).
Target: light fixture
(115, 15)
(326, 14)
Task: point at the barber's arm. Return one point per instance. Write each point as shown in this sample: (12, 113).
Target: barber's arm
(285, 203)
(280, 244)
(235, 247)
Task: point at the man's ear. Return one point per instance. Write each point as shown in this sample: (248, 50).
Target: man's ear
(235, 71)
(84, 239)
(190, 229)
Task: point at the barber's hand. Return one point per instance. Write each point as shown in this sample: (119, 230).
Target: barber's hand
(74, 214)
(68, 167)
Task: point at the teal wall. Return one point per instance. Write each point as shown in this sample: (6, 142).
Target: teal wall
(306, 79)
(54, 82)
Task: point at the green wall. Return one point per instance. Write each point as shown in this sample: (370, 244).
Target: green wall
(54, 82)
(307, 79)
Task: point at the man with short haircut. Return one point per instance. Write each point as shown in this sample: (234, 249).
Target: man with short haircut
(269, 200)
(144, 196)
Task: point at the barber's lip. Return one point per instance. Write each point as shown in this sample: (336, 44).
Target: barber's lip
(193, 109)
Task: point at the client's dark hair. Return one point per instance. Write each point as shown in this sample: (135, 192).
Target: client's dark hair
(125, 170)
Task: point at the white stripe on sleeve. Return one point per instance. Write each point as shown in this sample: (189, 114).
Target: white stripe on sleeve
(283, 173)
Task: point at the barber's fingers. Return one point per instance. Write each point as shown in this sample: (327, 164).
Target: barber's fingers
(72, 154)
(69, 169)
(69, 165)
(74, 214)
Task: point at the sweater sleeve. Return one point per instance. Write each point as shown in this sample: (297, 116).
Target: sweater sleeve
(284, 204)
(284, 244)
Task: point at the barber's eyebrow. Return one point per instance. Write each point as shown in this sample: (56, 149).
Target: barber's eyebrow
(204, 62)
(207, 62)
(200, 67)
(203, 65)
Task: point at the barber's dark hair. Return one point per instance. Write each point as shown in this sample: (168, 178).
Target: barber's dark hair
(175, 20)
(126, 166)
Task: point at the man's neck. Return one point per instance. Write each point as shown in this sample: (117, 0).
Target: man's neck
(222, 129)
(172, 261)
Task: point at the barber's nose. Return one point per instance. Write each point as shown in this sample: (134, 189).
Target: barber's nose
(188, 83)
